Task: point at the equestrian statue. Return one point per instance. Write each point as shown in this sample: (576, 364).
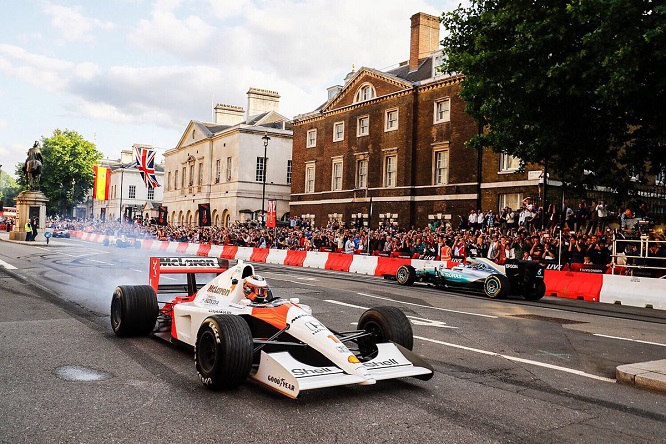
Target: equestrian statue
(33, 167)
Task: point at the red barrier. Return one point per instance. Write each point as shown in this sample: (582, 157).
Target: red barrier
(295, 258)
(229, 252)
(182, 247)
(387, 265)
(339, 261)
(203, 250)
(567, 284)
(259, 254)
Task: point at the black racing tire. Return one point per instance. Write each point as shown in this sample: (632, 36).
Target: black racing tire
(134, 310)
(105, 242)
(497, 286)
(385, 324)
(137, 244)
(223, 352)
(538, 292)
(405, 275)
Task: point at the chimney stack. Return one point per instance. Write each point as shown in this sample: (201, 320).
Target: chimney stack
(228, 114)
(260, 101)
(424, 38)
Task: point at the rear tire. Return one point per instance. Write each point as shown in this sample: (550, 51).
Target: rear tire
(385, 324)
(134, 310)
(496, 286)
(223, 352)
(538, 292)
(406, 275)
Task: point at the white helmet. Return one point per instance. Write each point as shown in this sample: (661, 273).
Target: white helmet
(256, 289)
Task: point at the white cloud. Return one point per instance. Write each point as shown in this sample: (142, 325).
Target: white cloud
(72, 25)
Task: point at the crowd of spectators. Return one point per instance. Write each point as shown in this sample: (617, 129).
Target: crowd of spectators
(564, 236)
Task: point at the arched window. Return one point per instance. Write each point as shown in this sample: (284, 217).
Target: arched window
(365, 92)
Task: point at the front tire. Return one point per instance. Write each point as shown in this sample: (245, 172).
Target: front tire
(496, 286)
(384, 324)
(134, 310)
(223, 352)
(406, 275)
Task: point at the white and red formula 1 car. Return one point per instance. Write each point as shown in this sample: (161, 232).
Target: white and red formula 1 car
(239, 329)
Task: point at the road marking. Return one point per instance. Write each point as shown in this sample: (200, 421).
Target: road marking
(414, 319)
(99, 262)
(632, 340)
(138, 271)
(8, 266)
(521, 360)
(564, 356)
(427, 306)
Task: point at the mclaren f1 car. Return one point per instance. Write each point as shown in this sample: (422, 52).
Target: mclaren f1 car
(239, 330)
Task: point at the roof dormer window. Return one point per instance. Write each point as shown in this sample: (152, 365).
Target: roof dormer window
(365, 92)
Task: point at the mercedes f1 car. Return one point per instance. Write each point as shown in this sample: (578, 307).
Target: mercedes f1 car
(239, 330)
(516, 277)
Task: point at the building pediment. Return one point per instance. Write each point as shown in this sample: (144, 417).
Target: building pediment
(381, 83)
(194, 133)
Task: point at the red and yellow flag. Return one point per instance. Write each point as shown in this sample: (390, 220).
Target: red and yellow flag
(102, 182)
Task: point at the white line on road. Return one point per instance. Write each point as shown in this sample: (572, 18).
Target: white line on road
(99, 262)
(7, 265)
(427, 306)
(632, 340)
(138, 271)
(415, 320)
(522, 360)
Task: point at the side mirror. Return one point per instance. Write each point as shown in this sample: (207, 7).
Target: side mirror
(294, 300)
(234, 281)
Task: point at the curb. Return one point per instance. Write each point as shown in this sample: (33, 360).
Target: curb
(649, 375)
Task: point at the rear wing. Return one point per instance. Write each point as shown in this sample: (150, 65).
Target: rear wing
(183, 265)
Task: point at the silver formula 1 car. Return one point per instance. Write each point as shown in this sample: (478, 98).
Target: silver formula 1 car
(239, 330)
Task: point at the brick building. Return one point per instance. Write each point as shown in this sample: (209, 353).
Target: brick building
(395, 141)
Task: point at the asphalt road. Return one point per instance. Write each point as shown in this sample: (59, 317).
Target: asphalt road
(506, 371)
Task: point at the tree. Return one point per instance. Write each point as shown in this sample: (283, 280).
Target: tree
(9, 189)
(579, 84)
(67, 173)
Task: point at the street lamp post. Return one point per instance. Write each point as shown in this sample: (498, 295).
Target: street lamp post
(266, 139)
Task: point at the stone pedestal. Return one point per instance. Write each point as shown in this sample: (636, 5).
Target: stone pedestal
(29, 205)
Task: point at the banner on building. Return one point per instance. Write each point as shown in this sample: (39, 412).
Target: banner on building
(145, 163)
(204, 215)
(271, 216)
(162, 216)
(129, 211)
(102, 182)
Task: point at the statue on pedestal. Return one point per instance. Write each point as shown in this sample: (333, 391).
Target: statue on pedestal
(33, 166)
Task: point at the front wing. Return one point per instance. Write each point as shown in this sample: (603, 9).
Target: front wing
(285, 374)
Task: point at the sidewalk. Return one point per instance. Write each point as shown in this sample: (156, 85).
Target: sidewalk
(40, 242)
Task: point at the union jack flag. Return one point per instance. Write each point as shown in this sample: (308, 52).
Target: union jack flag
(145, 160)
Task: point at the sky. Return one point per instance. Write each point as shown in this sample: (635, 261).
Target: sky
(121, 72)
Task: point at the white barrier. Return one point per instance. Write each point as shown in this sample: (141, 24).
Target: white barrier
(634, 291)
(244, 253)
(364, 264)
(276, 256)
(315, 259)
(215, 250)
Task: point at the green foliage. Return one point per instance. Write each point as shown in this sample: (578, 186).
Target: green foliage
(9, 189)
(579, 84)
(67, 173)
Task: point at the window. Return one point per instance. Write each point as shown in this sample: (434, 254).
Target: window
(259, 174)
(365, 92)
(362, 173)
(309, 177)
(218, 170)
(442, 110)
(390, 163)
(228, 169)
(509, 162)
(511, 200)
(311, 139)
(168, 184)
(391, 120)
(441, 167)
(132, 191)
(184, 178)
(289, 171)
(151, 193)
(363, 126)
(338, 131)
(336, 175)
(200, 174)
(175, 180)
(191, 174)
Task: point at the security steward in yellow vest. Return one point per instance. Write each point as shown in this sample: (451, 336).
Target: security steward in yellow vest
(28, 231)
